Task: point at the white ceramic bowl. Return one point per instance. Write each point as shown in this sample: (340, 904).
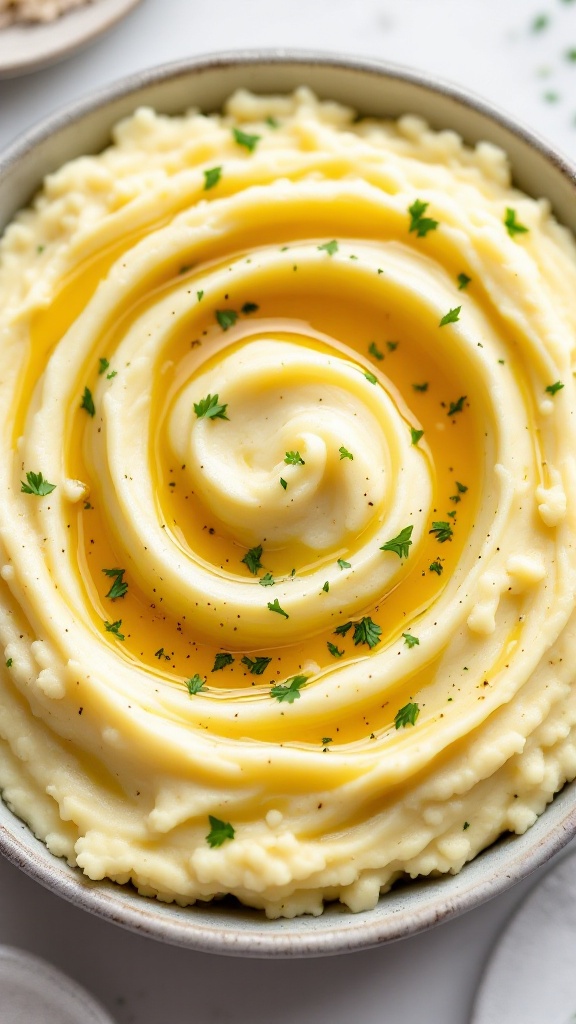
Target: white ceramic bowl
(384, 91)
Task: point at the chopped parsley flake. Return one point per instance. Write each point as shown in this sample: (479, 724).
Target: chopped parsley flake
(466, 825)
(409, 640)
(113, 373)
(513, 227)
(272, 122)
(334, 651)
(114, 627)
(226, 318)
(326, 739)
(392, 345)
(344, 453)
(553, 388)
(222, 660)
(243, 139)
(199, 295)
(249, 307)
(9, 663)
(416, 435)
(436, 567)
(212, 177)
(283, 482)
(343, 629)
(267, 580)
(210, 409)
(343, 564)
(456, 406)
(290, 691)
(406, 716)
(370, 377)
(463, 281)
(400, 545)
(421, 387)
(257, 666)
(375, 351)
(103, 365)
(326, 586)
(161, 655)
(37, 485)
(451, 316)
(418, 222)
(274, 606)
(252, 559)
(294, 459)
(87, 402)
(461, 487)
(219, 832)
(366, 632)
(442, 530)
(195, 684)
(119, 587)
(329, 247)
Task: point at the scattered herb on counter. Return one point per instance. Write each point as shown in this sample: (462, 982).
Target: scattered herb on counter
(222, 660)
(212, 177)
(226, 318)
(442, 530)
(553, 388)
(400, 544)
(334, 651)
(195, 684)
(219, 832)
(451, 317)
(252, 559)
(418, 222)
(375, 351)
(103, 365)
(243, 139)
(513, 227)
(329, 247)
(267, 580)
(294, 459)
(257, 666)
(114, 627)
(119, 586)
(37, 485)
(463, 281)
(344, 453)
(409, 640)
(287, 693)
(540, 22)
(367, 632)
(343, 564)
(457, 406)
(210, 409)
(416, 435)
(87, 402)
(274, 606)
(406, 716)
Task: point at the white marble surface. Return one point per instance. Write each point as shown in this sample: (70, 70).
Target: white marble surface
(491, 47)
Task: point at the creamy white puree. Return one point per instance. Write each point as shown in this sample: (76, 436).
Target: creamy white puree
(116, 281)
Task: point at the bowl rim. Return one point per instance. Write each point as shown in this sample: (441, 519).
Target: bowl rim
(354, 931)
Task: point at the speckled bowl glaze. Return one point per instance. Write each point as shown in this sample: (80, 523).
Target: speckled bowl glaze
(375, 89)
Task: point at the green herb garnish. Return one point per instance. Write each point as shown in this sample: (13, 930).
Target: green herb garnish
(553, 388)
(274, 606)
(344, 453)
(407, 715)
(119, 587)
(226, 318)
(87, 402)
(416, 435)
(513, 227)
(222, 660)
(329, 247)
(294, 459)
(243, 139)
(418, 222)
(210, 409)
(37, 485)
(195, 684)
(451, 316)
(212, 177)
(114, 627)
(442, 530)
(257, 666)
(400, 545)
(290, 691)
(252, 559)
(219, 832)
(409, 640)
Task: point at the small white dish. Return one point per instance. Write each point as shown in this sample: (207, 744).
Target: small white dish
(28, 47)
(34, 990)
(530, 977)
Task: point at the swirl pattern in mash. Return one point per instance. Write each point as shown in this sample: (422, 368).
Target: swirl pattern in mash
(287, 506)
